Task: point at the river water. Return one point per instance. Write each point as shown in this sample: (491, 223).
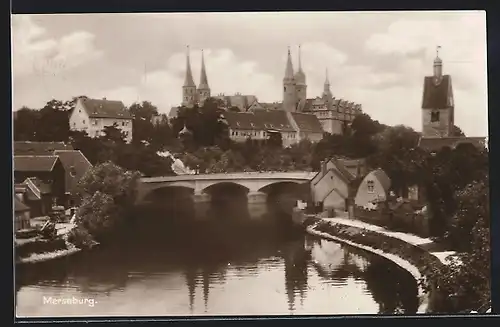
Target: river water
(212, 267)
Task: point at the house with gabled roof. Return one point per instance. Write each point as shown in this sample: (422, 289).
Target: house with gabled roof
(44, 174)
(333, 186)
(374, 188)
(93, 115)
(74, 161)
(21, 215)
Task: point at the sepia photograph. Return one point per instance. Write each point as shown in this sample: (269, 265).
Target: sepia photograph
(250, 164)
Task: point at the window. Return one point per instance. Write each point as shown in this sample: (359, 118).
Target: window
(434, 116)
(284, 88)
(74, 124)
(94, 121)
(83, 121)
(371, 186)
(123, 123)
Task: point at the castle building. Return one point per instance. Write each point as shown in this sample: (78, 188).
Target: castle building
(300, 118)
(438, 112)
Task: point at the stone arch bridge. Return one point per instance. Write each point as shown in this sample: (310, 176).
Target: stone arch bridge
(255, 182)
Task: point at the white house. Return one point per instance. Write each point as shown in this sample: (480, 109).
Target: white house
(375, 187)
(92, 116)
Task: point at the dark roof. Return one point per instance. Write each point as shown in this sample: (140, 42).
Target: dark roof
(308, 105)
(437, 143)
(34, 163)
(343, 170)
(105, 108)
(43, 187)
(19, 206)
(39, 148)
(307, 122)
(259, 120)
(75, 164)
(436, 95)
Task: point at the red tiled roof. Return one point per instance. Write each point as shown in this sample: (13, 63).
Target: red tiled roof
(75, 164)
(436, 96)
(307, 122)
(437, 143)
(19, 206)
(39, 148)
(34, 163)
(105, 108)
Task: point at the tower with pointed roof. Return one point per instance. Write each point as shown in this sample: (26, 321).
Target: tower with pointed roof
(300, 85)
(437, 103)
(203, 88)
(289, 86)
(327, 93)
(189, 93)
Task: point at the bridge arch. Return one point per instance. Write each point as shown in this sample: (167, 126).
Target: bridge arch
(213, 186)
(268, 187)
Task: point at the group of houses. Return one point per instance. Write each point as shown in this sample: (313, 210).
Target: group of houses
(46, 174)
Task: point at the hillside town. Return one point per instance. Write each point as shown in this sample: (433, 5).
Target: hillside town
(366, 172)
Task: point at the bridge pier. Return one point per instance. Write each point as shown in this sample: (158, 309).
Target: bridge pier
(202, 203)
(257, 197)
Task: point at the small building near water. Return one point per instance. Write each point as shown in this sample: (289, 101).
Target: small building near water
(332, 187)
(21, 215)
(374, 188)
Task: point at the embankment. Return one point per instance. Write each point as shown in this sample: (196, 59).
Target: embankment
(408, 256)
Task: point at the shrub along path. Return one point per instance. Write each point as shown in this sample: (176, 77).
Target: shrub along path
(426, 243)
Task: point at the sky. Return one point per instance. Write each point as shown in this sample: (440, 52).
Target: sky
(377, 59)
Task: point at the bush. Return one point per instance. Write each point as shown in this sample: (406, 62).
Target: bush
(80, 238)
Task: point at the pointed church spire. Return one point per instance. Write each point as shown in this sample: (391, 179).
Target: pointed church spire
(203, 75)
(300, 61)
(188, 81)
(327, 81)
(289, 66)
(438, 65)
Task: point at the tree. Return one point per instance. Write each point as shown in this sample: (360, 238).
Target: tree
(466, 280)
(142, 123)
(56, 115)
(26, 123)
(108, 193)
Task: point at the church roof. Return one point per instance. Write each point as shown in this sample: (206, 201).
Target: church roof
(188, 81)
(437, 95)
(203, 75)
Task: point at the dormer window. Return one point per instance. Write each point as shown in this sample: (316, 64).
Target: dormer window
(434, 116)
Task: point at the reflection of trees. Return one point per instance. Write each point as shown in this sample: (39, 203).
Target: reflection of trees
(296, 260)
(391, 288)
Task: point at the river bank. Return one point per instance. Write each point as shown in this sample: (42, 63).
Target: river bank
(406, 253)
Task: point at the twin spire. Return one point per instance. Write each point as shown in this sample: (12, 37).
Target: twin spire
(189, 81)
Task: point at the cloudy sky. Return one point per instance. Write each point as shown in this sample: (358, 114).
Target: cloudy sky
(378, 59)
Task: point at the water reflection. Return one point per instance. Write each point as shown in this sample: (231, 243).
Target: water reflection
(183, 267)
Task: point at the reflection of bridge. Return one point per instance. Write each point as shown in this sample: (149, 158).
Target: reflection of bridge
(257, 184)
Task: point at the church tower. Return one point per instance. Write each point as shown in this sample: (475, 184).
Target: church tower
(301, 86)
(203, 88)
(327, 94)
(437, 103)
(289, 86)
(189, 96)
